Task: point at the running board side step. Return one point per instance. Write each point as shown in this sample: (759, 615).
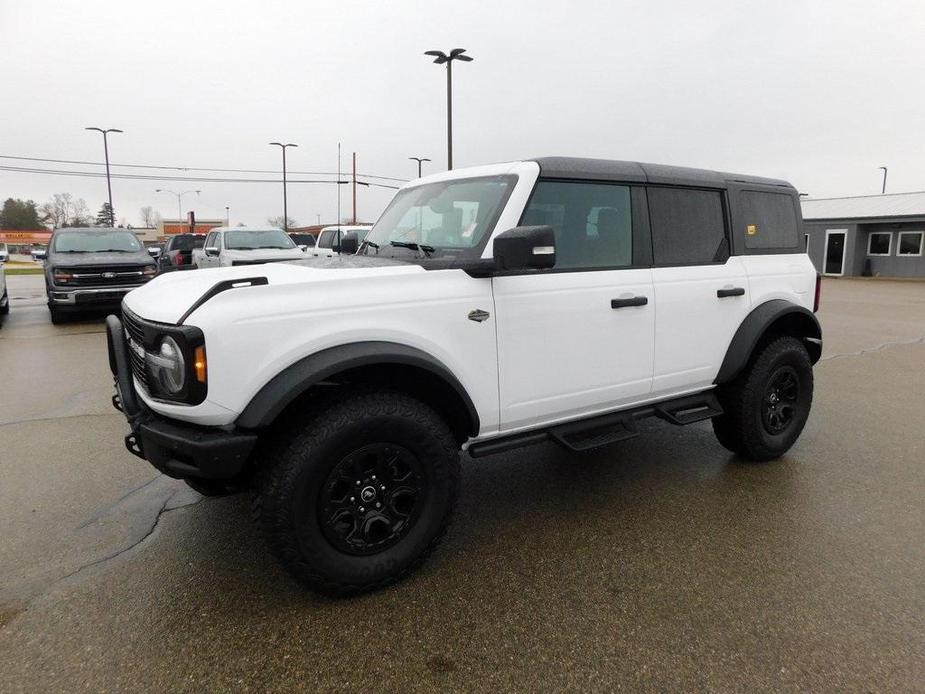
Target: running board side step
(603, 430)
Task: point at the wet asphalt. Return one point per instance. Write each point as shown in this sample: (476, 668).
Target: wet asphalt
(662, 563)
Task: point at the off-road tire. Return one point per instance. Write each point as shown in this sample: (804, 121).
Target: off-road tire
(57, 316)
(743, 427)
(4, 305)
(294, 468)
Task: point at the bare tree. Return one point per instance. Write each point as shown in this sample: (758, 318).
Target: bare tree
(64, 211)
(150, 217)
(278, 222)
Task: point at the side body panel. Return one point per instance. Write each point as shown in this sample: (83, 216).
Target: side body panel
(563, 351)
(694, 326)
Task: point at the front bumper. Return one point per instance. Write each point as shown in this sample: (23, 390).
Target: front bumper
(110, 296)
(176, 448)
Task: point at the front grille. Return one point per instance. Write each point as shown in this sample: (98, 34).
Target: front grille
(97, 276)
(135, 333)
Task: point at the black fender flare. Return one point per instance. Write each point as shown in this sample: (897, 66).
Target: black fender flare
(794, 319)
(297, 378)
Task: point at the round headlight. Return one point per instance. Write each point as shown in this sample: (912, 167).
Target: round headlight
(172, 368)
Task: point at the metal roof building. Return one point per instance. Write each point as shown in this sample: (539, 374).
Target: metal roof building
(875, 235)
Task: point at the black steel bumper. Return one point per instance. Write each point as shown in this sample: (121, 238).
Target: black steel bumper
(177, 449)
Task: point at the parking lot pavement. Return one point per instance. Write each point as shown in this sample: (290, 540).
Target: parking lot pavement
(659, 564)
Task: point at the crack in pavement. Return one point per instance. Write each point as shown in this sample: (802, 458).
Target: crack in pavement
(161, 512)
(877, 348)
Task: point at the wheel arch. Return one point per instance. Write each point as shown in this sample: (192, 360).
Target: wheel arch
(769, 320)
(389, 364)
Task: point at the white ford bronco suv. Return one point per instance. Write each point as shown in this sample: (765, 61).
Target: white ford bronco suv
(556, 299)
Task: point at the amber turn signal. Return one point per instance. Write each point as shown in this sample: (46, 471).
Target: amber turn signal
(200, 364)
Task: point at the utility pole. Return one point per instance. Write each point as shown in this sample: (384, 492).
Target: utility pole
(106, 131)
(354, 187)
(883, 187)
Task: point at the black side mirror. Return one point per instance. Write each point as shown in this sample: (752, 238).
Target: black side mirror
(523, 248)
(349, 243)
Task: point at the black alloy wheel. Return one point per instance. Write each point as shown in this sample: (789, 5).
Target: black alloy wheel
(780, 401)
(371, 498)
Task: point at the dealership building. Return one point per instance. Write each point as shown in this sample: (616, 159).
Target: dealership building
(866, 235)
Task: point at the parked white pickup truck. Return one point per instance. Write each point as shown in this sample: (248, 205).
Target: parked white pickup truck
(232, 246)
(329, 239)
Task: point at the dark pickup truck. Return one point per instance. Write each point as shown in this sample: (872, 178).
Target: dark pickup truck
(92, 269)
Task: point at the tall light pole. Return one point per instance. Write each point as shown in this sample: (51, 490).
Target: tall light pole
(420, 161)
(179, 198)
(112, 215)
(440, 58)
(227, 216)
(883, 187)
(285, 203)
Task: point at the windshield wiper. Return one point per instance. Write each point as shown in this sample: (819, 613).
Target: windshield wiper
(426, 250)
(278, 248)
(75, 251)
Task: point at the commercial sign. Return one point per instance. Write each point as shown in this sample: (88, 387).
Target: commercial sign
(200, 228)
(25, 236)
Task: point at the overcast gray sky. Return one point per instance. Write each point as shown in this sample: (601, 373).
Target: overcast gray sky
(819, 93)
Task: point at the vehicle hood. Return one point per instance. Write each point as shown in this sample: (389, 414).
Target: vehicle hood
(101, 259)
(264, 254)
(167, 297)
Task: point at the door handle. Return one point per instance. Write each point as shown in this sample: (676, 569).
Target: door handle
(632, 301)
(735, 291)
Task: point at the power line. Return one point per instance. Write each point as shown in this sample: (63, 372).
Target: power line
(190, 168)
(151, 177)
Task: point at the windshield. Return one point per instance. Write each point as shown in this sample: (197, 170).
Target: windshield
(449, 218)
(187, 242)
(251, 240)
(96, 242)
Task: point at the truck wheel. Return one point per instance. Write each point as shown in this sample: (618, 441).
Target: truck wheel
(57, 316)
(359, 492)
(4, 303)
(766, 407)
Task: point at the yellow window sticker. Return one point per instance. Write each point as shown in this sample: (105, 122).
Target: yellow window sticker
(751, 229)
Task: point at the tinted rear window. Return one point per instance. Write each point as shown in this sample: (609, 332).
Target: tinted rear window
(303, 239)
(688, 226)
(770, 220)
(187, 243)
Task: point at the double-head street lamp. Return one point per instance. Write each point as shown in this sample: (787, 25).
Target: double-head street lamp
(419, 160)
(285, 203)
(105, 131)
(179, 198)
(440, 58)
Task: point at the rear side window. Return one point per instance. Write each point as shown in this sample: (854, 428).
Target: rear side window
(593, 222)
(770, 220)
(688, 226)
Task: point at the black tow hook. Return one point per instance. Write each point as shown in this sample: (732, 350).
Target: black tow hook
(117, 401)
(133, 444)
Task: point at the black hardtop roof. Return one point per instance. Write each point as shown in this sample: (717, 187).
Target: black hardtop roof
(631, 171)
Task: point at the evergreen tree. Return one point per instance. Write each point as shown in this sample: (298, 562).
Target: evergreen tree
(20, 214)
(105, 217)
